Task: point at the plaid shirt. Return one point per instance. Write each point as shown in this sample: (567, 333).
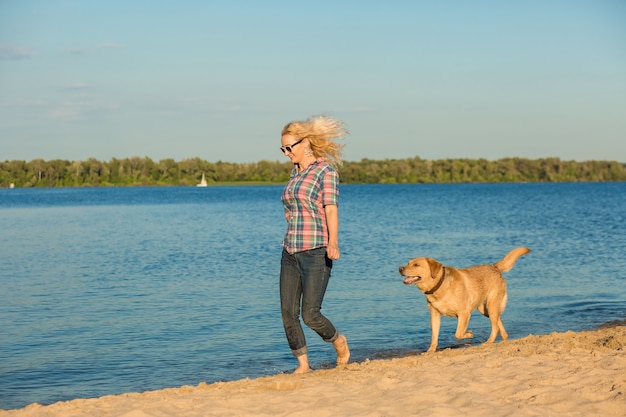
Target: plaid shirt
(304, 198)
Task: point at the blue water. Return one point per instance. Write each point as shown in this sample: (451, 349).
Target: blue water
(111, 290)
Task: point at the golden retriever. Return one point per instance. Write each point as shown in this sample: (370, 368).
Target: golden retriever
(456, 292)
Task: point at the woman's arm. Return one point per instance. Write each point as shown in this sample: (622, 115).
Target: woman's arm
(332, 222)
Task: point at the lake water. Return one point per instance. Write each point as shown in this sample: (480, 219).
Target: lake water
(111, 290)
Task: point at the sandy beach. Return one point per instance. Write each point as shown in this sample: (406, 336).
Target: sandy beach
(571, 373)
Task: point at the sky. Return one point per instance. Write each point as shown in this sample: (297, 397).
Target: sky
(218, 80)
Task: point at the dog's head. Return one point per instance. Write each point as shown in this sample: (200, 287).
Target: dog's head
(420, 271)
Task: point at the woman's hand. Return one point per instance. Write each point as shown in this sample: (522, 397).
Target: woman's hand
(332, 251)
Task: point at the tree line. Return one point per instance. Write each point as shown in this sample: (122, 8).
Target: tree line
(138, 171)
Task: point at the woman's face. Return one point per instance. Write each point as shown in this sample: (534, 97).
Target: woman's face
(292, 147)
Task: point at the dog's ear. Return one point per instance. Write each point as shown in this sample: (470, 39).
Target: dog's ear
(434, 266)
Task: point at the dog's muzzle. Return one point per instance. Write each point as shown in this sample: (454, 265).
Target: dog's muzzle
(408, 280)
(411, 280)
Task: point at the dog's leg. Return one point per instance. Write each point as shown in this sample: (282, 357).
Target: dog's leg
(494, 313)
(461, 327)
(496, 326)
(435, 324)
(503, 334)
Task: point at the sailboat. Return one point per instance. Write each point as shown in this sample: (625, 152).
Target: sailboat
(202, 182)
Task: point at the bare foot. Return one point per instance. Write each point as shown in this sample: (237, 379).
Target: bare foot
(303, 365)
(302, 370)
(343, 352)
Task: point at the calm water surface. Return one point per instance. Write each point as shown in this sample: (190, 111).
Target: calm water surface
(111, 290)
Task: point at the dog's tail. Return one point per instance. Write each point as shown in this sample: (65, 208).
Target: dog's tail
(509, 259)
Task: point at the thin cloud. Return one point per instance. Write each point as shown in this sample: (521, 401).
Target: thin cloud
(79, 106)
(108, 45)
(77, 51)
(25, 102)
(88, 50)
(357, 109)
(75, 87)
(11, 52)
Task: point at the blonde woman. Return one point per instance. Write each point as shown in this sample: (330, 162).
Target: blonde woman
(311, 243)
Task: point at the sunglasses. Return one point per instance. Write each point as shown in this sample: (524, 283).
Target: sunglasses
(287, 148)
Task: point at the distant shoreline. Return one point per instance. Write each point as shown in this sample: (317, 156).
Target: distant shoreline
(274, 184)
(189, 172)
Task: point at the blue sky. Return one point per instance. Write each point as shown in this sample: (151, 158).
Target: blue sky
(219, 79)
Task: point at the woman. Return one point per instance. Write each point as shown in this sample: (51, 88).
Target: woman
(311, 242)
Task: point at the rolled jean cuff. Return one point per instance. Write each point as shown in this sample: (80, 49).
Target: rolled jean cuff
(302, 351)
(332, 339)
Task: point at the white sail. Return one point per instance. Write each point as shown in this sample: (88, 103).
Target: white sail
(202, 182)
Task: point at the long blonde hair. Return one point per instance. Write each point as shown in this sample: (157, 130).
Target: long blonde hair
(322, 133)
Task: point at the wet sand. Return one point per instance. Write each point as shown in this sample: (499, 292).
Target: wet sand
(571, 373)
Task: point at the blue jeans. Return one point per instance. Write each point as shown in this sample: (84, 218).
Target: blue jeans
(304, 277)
